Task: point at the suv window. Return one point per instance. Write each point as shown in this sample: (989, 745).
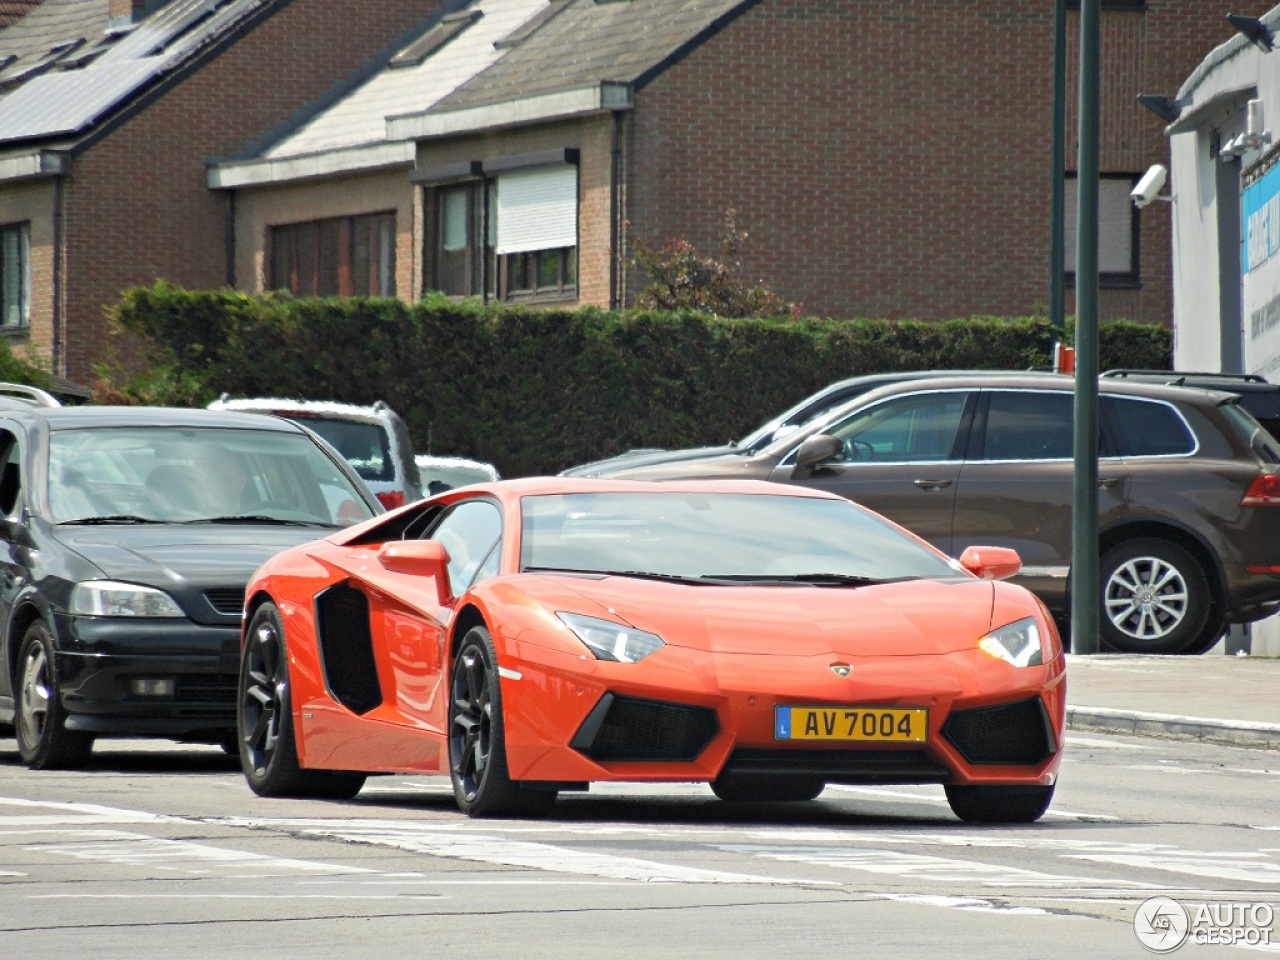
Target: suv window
(920, 427)
(1147, 428)
(1025, 425)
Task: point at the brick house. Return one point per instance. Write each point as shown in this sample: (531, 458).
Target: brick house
(884, 160)
(109, 111)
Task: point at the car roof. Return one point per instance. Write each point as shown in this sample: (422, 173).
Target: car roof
(81, 417)
(1026, 381)
(285, 407)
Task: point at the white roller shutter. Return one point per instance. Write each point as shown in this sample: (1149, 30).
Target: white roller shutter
(538, 209)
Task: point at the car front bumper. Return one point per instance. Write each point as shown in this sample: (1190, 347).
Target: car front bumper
(105, 668)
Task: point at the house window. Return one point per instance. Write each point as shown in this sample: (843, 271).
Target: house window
(345, 256)
(459, 267)
(1117, 231)
(15, 275)
(513, 236)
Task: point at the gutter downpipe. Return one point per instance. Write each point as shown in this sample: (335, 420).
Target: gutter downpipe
(57, 361)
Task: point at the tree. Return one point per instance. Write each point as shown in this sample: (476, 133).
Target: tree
(681, 278)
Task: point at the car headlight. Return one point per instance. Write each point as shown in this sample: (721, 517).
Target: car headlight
(1017, 643)
(107, 598)
(611, 641)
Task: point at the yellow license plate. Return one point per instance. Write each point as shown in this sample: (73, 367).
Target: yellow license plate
(859, 724)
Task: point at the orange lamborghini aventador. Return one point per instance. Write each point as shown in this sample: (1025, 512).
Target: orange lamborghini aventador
(528, 637)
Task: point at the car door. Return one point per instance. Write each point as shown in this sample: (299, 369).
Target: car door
(14, 552)
(901, 457)
(471, 531)
(1016, 487)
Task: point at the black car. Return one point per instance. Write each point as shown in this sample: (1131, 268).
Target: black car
(129, 534)
(1257, 394)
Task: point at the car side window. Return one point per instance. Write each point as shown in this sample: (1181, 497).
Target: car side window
(1148, 428)
(10, 474)
(1029, 425)
(920, 427)
(470, 531)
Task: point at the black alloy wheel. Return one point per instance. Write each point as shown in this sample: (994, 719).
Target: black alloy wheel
(264, 721)
(482, 784)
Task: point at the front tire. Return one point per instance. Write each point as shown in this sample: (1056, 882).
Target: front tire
(1155, 598)
(264, 721)
(999, 804)
(482, 785)
(40, 727)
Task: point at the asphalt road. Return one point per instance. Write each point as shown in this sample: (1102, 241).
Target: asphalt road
(162, 852)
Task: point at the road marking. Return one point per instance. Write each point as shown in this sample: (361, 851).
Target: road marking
(916, 866)
(967, 903)
(182, 856)
(482, 848)
(59, 814)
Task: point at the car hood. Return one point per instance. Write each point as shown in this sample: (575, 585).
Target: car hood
(646, 458)
(907, 618)
(201, 555)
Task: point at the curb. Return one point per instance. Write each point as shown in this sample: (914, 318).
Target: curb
(1138, 724)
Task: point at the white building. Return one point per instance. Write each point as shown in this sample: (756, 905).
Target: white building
(1225, 190)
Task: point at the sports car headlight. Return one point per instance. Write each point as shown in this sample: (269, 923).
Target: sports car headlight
(611, 641)
(107, 598)
(1017, 643)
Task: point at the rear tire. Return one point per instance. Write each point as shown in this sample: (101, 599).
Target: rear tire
(999, 804)
(40, 721)
(746, 788)
(264, 721)
(1155, 598)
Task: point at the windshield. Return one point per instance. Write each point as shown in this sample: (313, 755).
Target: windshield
(364, 445)
(719, 536)
(1263, 444)
(189, 474)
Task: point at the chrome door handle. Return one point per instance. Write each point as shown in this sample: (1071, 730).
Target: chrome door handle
(932, 484)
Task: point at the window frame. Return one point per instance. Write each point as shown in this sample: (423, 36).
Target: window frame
(1107, 279)
(331, 246)
(20, 230)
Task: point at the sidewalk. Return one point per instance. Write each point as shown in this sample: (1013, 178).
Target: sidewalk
(1214, 697)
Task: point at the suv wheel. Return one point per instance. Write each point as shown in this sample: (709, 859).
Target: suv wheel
(1155, 597)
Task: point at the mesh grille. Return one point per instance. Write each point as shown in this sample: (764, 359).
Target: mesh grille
(626, 728)
(229, 602)
(1017, 733)
(839, 766)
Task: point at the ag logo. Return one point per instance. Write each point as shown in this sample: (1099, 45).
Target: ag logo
(1161, 924)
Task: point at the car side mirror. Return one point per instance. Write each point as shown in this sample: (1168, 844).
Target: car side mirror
(419, 558)
(991, 563)
(813, 451)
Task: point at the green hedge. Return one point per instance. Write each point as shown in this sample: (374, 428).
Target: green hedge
(534, 391)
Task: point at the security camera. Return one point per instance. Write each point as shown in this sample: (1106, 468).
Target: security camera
(1149, 186)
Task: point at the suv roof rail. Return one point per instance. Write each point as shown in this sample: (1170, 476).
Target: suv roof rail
(1173, 376)
(32, 395)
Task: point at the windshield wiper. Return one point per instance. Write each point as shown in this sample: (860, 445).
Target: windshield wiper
(120, 518)
(817, 579)
(638, 574)
(257, 518)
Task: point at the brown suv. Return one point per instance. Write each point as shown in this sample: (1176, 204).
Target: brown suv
(1189, 486)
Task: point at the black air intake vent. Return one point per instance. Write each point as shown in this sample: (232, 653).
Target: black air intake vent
(629, 728)
(1011, 733)
(346, 648)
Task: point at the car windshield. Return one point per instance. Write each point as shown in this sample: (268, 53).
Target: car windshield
(364, 445)
(169, 474)
(719, 536)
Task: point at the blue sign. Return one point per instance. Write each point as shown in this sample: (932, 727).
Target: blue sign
(1261, 226)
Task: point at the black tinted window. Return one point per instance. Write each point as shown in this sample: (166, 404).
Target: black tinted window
(1147, 428)
(1026, 425)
